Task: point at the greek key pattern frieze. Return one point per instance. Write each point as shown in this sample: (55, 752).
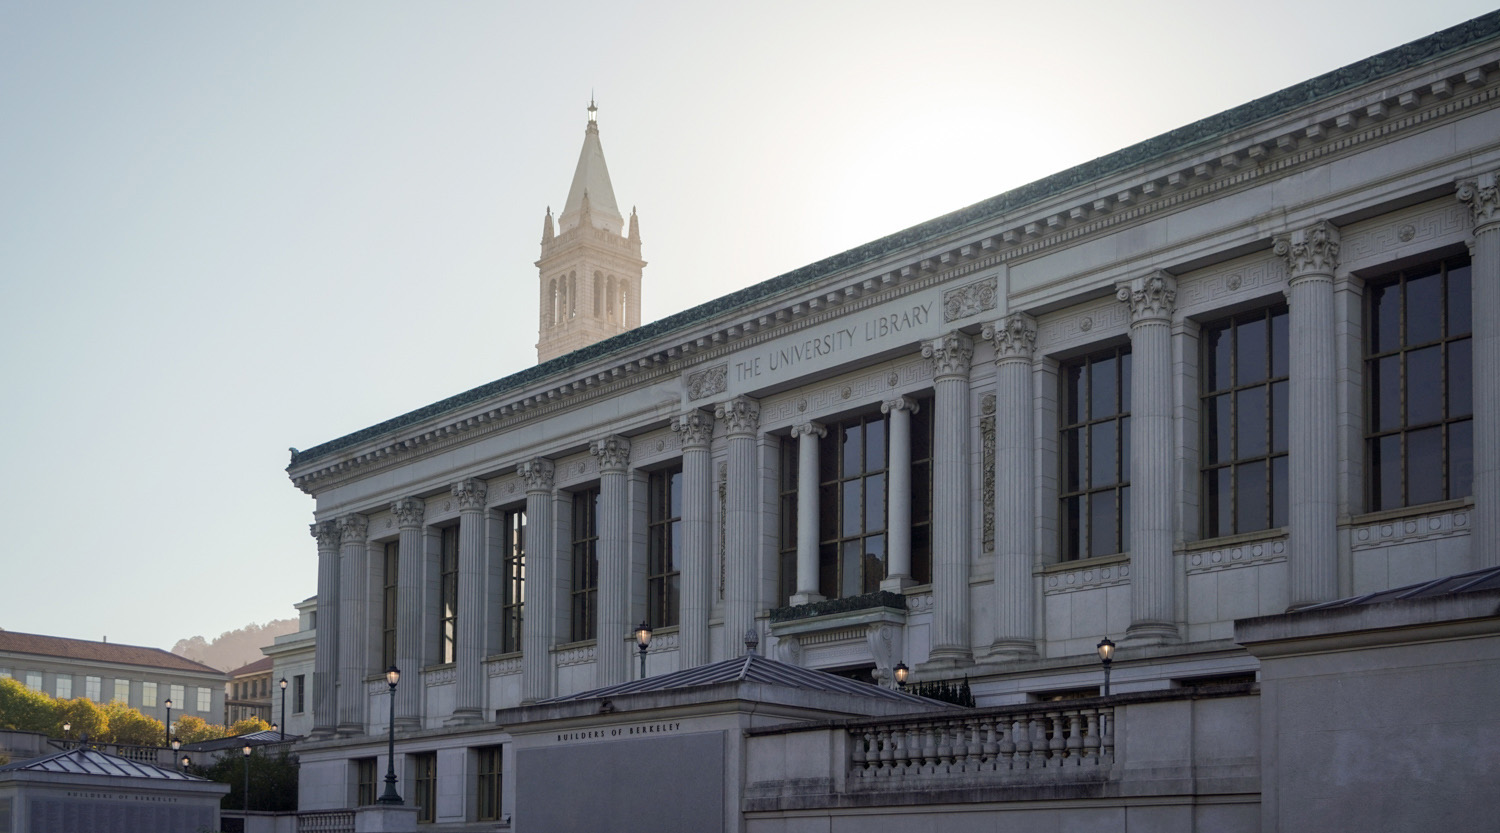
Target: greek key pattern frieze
(1370, 243)
(1206, 290)
(577, 469)
(1087, 578)
(1091, 322)
(973, 299)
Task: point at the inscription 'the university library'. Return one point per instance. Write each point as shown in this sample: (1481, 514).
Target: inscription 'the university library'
(833, 341)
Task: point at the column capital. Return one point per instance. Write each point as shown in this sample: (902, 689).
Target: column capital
(1014, 337)
(1310, 251)
(353, 529)
(327, 533)
(537, 474)
(900, 403)
(809, 429)
(613, 453)
(470, 494)
(1152, 298)
(696, 429)
(741, 416)
(1482, 196)
(409, 512)
(950, 353)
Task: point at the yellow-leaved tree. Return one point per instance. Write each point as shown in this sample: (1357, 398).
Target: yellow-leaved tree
(85, 717)
(192, 729)
(27, 710)
(128, 726)
(248, 725)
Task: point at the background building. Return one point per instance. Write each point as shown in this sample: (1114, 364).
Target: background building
(249, 692)
(292, 658)
(1239, 369)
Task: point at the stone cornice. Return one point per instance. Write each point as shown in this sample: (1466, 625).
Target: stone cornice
(1018, 223)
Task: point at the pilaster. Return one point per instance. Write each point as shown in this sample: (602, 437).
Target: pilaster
(697, 430)
(808, 434)
(1152, 301)
(741, 419)
(1482, 196)
(1311, 256)
(353, 536)
(411, 513)
(468, 704)
(951, 356)
(539, 632)
(614, 558)
(326, 641)
(1014, 339)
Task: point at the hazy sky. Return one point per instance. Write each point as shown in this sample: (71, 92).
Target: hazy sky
(226, 229)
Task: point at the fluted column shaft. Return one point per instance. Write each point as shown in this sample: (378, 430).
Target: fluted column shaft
(696, 429)
(898, 495)
(951, 356)
(1312, 255)
(411, 553)
(468, 701)
(807, 434)
(1015, 485)
(614, 559)
(741, 418)
(539, 630)
(353, 579)
(326, 643)
(1482, 195)
(1152, 301)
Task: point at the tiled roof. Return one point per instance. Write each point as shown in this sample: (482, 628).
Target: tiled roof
(1483, 28)
(260, 666)
(1471, 582)
(85, 650)
(751, 668)
(85, 761)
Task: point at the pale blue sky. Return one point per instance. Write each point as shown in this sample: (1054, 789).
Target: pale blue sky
(226, 229)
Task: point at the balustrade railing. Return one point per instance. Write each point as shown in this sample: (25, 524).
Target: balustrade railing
(987, 743)
(327, 821)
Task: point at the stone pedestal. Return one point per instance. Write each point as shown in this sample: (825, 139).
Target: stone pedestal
(384, 818)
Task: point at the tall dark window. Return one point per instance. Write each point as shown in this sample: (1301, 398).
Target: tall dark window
(388, 605)
(786, 555)
(585, 564)
(513, 603)
(1245, 423)
(663, 548)
(921, 493)
(364, 779)
(1418, 374)
(1096, 455)
(448, 597)
(851, 500)
(299, 696)
(424, 785)
(488, 786)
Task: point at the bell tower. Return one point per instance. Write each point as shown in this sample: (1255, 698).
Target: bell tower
(591, 265)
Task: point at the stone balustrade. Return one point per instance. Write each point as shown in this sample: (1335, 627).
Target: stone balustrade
(326, 821)
(981, 745)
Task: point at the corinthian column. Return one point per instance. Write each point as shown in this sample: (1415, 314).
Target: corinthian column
(697, 430)
(1311, 256)
(807, 434)
(1152, 301)
(951, 356)
(410, 514)
(898, 500)
(1014, 338)
(741, 418)
(1482, 196)
(539, 630)
(351, 622)
(614, 558)
(468, 702)
(326, 643)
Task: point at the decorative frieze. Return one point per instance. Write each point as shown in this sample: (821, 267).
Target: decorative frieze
(695, 428)
(409, 512)
(723, 492)
(613, 453)
(1224, 285)
(576, 656)
(1086, 578)
(987, 445)
(919, 603)
(1406, 530)
(470, 495)
(840, 393)
(972, 299)
(1310, 251)
(1238, 555)
(708, 382)
(446, 675)
(503, 667)
(1382, 239)
(1087, 323)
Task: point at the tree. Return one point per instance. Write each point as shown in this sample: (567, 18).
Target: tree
(128, 726)
(273, 779)
(26, 710)
(246, 726)
(87, 719)
(191, 729)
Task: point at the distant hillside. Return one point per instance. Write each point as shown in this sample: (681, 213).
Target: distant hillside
(235, 648)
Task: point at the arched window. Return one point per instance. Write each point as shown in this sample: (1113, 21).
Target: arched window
(551, 302)
(611, 296)
(572, 294)
(598, 294)
(624, 304)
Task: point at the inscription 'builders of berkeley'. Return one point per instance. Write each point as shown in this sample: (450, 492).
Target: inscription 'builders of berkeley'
(831, 342)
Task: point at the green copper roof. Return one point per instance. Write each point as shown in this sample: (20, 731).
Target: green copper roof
(1480, 29)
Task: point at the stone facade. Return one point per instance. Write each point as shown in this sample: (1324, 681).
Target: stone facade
(1239, 369)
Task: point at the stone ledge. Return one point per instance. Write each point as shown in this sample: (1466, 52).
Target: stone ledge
(849, 604)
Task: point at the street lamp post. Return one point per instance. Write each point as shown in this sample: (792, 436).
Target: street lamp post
(390, 796)
(246, 753)
(1106, 656)
(169, 720)
(643, 640)
(283, 707)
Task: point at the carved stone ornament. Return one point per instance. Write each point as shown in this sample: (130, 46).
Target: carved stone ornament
(353, 529)
(708, 382)
(1014, 336)
(613, 453)
(696, 429)
(970, 300)
(740, 415)
(409, 511)
(470, 494)
(1482, 196)
(1310, 251)
(810, 429)
(327, 533)
(1152, 298)
(536, 474)
(900, 403)
(951, 354)
(987, 465)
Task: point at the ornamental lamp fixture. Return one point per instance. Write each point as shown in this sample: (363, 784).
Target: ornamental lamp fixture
(392, 676)
(281, 727)
(1106, 657)
(643, 641)
(902, 673)
(185, 761)
(390, 796)
(246, 753)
